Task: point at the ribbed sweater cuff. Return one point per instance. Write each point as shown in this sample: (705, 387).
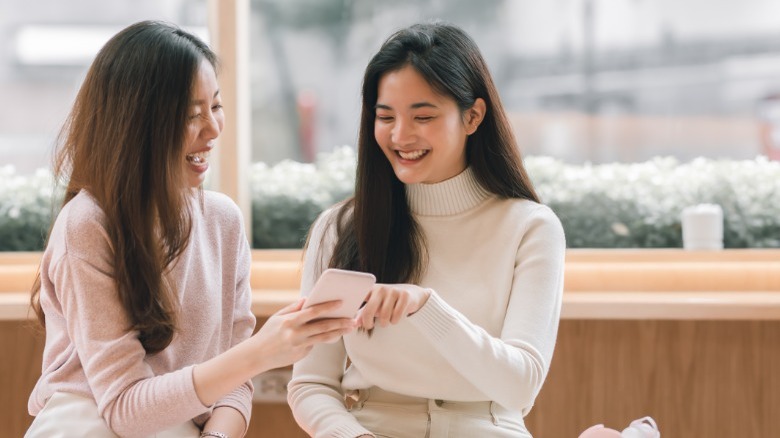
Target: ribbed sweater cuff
(241, 401)
(346, 431)
(192, 400)
(434, 318)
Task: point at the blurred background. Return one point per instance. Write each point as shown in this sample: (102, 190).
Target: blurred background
(583, 80)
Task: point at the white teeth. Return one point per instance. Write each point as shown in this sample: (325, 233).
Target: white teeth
(198, 157)
(412, 155)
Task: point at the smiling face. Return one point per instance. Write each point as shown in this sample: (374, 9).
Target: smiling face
(421, 132)
(205, 121)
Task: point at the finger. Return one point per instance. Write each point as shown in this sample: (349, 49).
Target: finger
(325, 325)
(327, 337)
(363, 318)
(291, 308)
(370, 309)
(359, 313)
(317, 311)
(400, 308)
(386, 310)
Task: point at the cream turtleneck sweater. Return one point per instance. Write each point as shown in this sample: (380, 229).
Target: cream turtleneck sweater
(488, 330)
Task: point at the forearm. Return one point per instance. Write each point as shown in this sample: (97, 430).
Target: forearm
(222, 374)
(226, 420)
(314, 394)
(509, 366)
(508, 374)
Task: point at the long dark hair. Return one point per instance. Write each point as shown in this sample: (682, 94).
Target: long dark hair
(376, 230)
(124, 142)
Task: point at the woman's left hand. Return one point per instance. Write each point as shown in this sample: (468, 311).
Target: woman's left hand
(387, 303)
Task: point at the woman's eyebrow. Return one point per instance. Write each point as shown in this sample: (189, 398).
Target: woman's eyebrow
(201, 101)
(413, 106)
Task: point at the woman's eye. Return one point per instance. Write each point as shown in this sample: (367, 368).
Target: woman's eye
(385, 118)
(194, 116)
(424, 118)
(216, 107)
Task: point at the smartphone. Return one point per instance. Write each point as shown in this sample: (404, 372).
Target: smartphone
(351, 287)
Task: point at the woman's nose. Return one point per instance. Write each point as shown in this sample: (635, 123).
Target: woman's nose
(213, 126)
(402, 133)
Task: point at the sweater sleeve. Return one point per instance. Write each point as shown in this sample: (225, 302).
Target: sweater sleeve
(240, 398)
(131, 399)
(511, 369)
(314, 393)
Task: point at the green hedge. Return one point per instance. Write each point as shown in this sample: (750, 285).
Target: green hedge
(639, 205)
(25, 209)
(601, 206)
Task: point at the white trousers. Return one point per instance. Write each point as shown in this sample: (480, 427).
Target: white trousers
(69, 416)
(390, 415)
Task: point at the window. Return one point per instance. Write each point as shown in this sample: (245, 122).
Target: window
(45, 57)
(583, 80)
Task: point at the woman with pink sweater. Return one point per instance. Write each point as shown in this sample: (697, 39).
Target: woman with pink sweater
(144, 282)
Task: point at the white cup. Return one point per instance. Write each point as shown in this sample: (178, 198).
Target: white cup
(702, 227)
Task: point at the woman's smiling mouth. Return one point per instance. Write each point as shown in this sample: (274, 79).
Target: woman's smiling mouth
(412, 155)
(198, 158)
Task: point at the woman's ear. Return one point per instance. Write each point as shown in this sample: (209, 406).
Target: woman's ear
(475, 115)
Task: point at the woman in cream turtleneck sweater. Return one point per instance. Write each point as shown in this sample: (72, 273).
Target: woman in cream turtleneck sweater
(458, 334)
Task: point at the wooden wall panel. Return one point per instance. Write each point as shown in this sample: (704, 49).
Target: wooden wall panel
(21, 344)
(273, 421)
(696, 378)
(714, 379)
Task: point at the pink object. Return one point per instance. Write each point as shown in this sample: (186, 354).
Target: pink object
(599, 431)
(642, 428)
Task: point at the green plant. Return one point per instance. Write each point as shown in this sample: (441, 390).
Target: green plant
(25, 209)
(288, 197)
(601, 206)
(640, 204)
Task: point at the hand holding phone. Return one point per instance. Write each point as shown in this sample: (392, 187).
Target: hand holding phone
(350, 287)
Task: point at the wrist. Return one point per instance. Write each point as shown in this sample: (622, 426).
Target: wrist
(220, 375)
(249, 361)
(426, 293)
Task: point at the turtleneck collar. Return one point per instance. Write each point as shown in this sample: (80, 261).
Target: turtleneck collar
(449, 197)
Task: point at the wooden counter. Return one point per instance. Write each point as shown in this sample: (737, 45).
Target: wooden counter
(599, 284)
(690, 338)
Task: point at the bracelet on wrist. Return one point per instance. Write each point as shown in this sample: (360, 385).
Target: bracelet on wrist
(208, 433)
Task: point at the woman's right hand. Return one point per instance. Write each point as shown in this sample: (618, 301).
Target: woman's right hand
(285, 338)
(289, 334)
(388, 303)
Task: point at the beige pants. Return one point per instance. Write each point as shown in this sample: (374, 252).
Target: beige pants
(390, 415)
(68, 416)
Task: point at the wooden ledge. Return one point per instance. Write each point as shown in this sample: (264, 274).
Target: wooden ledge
(15, 306)
(630, 305)
(599, 284)
(670, 255)
(681, 306)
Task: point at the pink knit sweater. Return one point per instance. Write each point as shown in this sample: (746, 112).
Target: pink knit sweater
(91, 352)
